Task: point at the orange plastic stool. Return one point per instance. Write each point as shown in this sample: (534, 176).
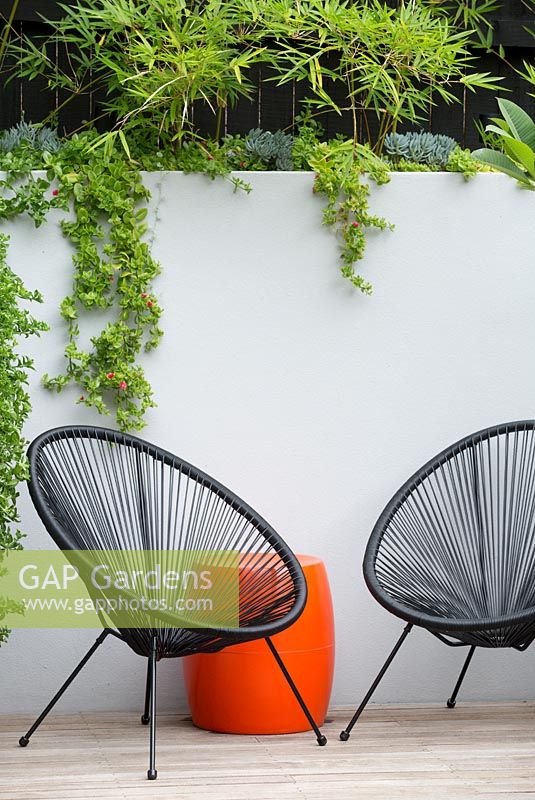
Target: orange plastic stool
(242, 690)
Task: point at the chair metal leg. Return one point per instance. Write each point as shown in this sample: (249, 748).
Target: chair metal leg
(152, 773)
(24, 740)
(344, 736)
(321, 739)
(145, 718)
(453, 699)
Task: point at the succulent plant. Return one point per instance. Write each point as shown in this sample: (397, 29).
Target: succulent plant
(421, 147)
(273, 149)
(40, 138)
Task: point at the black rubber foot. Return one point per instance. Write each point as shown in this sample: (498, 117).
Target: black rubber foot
(145, 720)
(451, 703)
(344, 736)
(24, 741)
(152, 774)
(322, 741)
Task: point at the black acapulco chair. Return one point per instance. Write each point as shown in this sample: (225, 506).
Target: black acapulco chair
(98, 489)
(454, 550)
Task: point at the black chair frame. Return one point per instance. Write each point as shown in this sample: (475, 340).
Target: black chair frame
(75, 472)
(453, 551)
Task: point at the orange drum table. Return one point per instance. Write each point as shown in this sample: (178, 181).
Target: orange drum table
(242, 690)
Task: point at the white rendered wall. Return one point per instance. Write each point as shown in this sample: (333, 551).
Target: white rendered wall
(308, 399)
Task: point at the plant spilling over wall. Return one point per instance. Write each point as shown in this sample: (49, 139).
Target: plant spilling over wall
(16, 322)
(343, 172)
(113, 268)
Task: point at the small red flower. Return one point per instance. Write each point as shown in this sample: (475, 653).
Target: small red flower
(355, 224)
(122, 385)
(242, 164)
(209, 157)
(110, 376)
(149, 304)
(55, 192)
(82, 398)
(144, 295)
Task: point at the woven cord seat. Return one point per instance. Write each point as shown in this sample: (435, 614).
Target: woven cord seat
(454, 550)
(98, 489)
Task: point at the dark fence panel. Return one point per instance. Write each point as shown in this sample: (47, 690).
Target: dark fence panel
(276, 107)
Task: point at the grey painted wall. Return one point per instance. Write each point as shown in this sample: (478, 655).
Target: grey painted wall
(311, 401)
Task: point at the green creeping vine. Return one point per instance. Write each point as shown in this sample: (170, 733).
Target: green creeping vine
(113, 268)
(339, 177)
(15, 322)
(343, 171)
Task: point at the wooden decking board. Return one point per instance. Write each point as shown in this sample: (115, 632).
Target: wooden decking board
(475, 751)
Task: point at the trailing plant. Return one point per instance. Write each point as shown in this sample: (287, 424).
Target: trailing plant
(271, 149)
(113, 270)
(16, 322)
(24, 193)
(310, 134)
(342, 174)
(515, 134)
(420, 147)
(343, 171)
